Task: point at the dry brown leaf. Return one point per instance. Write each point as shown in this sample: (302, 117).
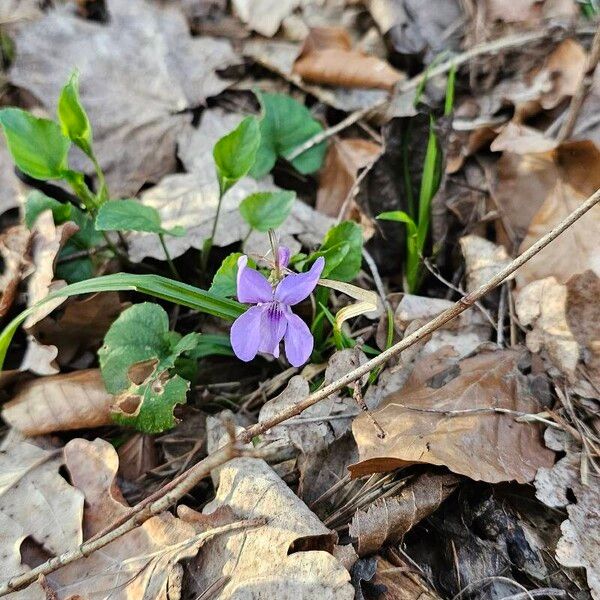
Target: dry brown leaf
(143, 42)
(345, 158)
(141, 564)
(401, 582)
(579, 545)
(137, 456)
(279, 57)
(479, 443)
(35, 501)
(542, 305)
(93, 468)
(529, 11)
(521, 139)
(327, 58)
(47, 240)
(533, 192)
(14, 249)
(283, 559)
(81, 325)
(191, 201)
(264, 16)
(388, 519)
(483, 260)
(76, 400)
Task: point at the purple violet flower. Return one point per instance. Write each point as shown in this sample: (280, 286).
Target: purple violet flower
(262, 327)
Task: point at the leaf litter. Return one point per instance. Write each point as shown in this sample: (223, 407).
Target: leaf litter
(467, 465)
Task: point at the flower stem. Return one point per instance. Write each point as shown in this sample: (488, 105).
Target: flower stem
(208, 243)
(170, 262)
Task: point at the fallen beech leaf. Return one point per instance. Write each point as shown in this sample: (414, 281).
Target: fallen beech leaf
(39, 359)
(345, 158)
(530, 11)
(14, 249)
(579, 545)
(483, 259)
(137, 456)
(76, 400)
(35, 501)
(521, 139)
(144, 42)
(327, 58)
(388, 519)
(420, 426)
(46, 243)
(283, 559)
(264, 16)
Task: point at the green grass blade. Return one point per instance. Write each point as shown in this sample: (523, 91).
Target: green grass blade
(428, 187)
(450, 85)
(152, 285)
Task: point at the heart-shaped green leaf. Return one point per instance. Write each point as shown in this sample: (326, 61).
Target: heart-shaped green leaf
(267, 210)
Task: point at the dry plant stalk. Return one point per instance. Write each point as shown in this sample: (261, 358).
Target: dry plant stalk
(180, 486)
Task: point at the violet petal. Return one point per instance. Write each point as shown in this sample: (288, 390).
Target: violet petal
(283, 256)
(252, 286)
(245, 333)
(296, 287)
(298, 340)
(272, 328)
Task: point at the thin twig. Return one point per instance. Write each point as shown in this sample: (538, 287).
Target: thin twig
(180, 486)
(510, 41)
(582, 88)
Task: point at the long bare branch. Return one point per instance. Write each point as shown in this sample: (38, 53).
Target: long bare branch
(188, 480)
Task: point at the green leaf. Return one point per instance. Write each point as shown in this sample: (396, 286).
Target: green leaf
(73, 119)
(130, 215)
(285, 125)
(37, 203)
(140, 333)
(224, 283)
(154, 401)
(37, 146)
(267, 210)
(152, 285)
(235, 153)
(348, 266)
(76, 269)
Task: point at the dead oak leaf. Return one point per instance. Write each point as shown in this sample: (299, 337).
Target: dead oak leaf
(388, 519)
(138, 73)
(287, 558)
(76, 400)
(264, 16)
(453, 423)
(35, 501)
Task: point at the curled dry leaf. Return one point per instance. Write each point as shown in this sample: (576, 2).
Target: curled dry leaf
(483, 260)
(47, 240)
(579, 545)
(75, 400)
(11, 189)
(388, 519)
(401, 582)
(345, 158)
(529, 11)
(14, 249)
(35, 501)
(143, 42)
(450, 419)
(327, 58)
(287, 558)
